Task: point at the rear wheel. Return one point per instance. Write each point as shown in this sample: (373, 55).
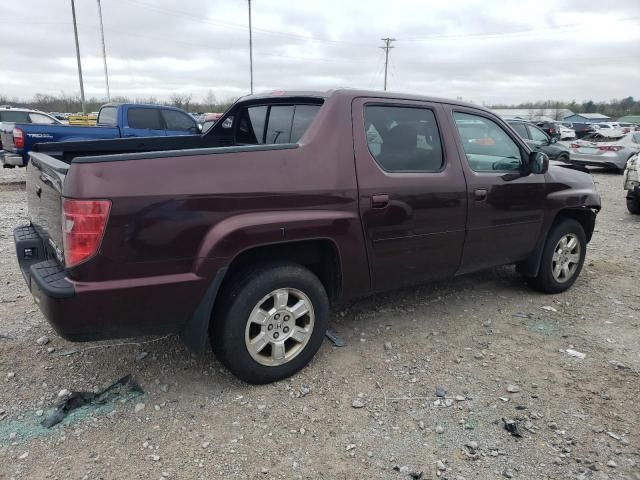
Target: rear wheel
(562, 257)
(269, 322)
(633, 204)
(563, 158)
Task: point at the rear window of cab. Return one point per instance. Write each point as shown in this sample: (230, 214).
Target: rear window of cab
(272, 124)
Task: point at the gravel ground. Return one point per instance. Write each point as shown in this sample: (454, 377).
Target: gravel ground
(367, 410)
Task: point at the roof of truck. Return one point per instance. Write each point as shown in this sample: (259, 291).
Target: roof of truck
(355, 93)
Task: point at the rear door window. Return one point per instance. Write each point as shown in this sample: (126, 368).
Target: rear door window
(538, 135)
(403, 139)
(178, 121)
(108, 116)
(145, 118)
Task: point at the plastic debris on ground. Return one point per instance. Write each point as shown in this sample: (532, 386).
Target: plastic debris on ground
(80, 399)
(511, 426)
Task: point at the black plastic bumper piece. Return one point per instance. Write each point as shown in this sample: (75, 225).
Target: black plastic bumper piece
(36, 267)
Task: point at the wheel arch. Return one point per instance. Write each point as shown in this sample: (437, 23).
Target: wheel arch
(584, 215)
(320, 255)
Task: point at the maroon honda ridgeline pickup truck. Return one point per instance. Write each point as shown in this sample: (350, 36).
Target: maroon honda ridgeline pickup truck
(290, 202)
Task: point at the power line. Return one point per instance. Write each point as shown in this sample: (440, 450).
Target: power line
(387, 46)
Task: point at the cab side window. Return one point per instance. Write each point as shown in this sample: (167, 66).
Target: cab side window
(403, 139)
(178, 121)
(145, 118)
(487, 146)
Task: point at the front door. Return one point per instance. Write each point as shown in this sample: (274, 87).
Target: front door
(412, 192)
(505, 201)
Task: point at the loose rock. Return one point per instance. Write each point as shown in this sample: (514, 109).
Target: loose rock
(42, 340)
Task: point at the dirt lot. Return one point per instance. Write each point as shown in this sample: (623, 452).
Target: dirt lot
(477, 336)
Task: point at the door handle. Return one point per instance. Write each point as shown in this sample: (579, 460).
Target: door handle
(480, 194)
(380, 200)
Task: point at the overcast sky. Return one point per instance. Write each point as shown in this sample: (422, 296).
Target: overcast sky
(484, 51)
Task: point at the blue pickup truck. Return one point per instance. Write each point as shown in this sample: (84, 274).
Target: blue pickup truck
(114, 121)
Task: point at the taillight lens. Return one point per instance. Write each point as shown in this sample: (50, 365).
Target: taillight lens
(83, 224)
(575, 145)
(18, 138)
(610, 148)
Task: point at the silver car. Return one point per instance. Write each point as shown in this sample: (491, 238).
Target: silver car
(603, 150)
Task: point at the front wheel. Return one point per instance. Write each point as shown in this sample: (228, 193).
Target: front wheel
(269, 322)
(562, 257)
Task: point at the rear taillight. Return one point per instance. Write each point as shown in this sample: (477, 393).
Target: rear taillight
(83, 224)
(574, 145)
(18, 138)
(610, 148)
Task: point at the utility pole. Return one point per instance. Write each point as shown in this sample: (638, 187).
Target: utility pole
(387, 46)
(104, 53)
(250, 48)
(75, 33)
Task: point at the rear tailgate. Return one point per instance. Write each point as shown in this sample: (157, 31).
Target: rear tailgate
(45, 177)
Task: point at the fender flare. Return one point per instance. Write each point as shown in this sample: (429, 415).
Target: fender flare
(531, 266)
(272, 227)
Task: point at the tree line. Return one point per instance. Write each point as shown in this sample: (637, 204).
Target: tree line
(613, 108)
(65, 103)
(72, 104)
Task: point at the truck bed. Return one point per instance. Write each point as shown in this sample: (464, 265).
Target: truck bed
(67, 151)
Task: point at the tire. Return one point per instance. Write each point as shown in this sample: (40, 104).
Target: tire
(633, 204)
(563, 158)
(253, 296)
(547, 280)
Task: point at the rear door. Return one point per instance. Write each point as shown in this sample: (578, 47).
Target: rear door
(178, 123)
(505, 201)
(143, 122)
(412, 192)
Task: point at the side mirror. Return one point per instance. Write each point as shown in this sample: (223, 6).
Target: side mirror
(199, 128)
(538, 162)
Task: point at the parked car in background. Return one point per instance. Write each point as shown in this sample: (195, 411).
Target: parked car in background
(13, 115)
(566, 133)
(113, 121)
(9, 116)
(604, 150)
(539, 140)
(550, 128)
(245, 235)
(608, 128)
(209, 120)
(626, 127)
(583, 129)
(632, 184)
